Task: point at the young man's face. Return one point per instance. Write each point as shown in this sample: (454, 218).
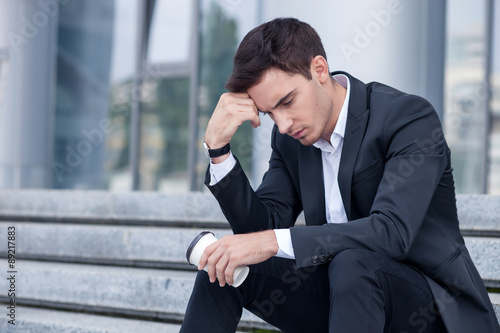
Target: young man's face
(300, 107)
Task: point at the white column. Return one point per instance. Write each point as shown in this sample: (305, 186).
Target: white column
(28, 38)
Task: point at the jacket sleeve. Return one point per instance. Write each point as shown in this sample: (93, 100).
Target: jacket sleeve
(274, 205)
(416, 157)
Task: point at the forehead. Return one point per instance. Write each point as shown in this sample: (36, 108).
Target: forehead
(274, 85)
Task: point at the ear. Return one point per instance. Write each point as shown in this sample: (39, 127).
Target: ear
(319, 69)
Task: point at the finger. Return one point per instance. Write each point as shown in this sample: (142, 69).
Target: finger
(251, 113)
(249, 109)
(255, 121)
(221, 270)
(205, 255)
(229, 274)
(209, 259)
(213, 260)
(235, 99)
(244, 101)
(238, 95)
(246, 108)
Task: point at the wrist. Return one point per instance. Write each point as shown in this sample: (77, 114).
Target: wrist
(214, 144)
(216, 152)
(271, 242)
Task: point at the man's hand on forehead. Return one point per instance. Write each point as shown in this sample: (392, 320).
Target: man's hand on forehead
(232, 110)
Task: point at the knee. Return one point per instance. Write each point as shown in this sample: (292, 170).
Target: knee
(353, 259)
(202, 280)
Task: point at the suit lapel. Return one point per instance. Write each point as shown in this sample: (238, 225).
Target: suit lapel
(357, 119)
(311, 184)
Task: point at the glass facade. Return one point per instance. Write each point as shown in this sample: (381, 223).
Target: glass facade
(85, 35)
(165, 100)
(466, 96)
(95, 67)
(494, 120)
(164, 136)
(134, 83)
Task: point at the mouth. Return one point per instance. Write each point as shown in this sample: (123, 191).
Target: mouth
(298, 134)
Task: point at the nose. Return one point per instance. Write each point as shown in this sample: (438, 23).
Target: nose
(283, 122)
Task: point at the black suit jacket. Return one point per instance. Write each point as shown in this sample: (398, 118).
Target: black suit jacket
(398, 192)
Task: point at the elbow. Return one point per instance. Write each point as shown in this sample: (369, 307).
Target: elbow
(398, 237)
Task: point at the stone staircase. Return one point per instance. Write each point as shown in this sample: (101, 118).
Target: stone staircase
(92, 261)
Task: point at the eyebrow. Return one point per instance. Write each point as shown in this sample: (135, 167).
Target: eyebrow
(281, 100)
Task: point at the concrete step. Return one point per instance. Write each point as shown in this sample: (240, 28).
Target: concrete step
(32, 320)
(146, 293)
(495, 299)
(111, 207)
(479, 214)
(149, 246)
(132, 245)
(485, 252)
(35, 320)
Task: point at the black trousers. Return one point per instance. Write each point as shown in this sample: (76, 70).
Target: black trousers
(358, 291)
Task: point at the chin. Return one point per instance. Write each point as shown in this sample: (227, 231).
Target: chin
(309, 139)
(306, 142)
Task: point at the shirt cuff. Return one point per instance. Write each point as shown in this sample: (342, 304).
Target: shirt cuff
(220, 170)
(284, 244)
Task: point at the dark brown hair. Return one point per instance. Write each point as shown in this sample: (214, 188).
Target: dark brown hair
(283, 43)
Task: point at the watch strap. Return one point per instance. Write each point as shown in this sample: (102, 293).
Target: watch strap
(219, 151)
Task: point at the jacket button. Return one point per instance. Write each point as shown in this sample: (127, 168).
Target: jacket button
(330, 257)
(314, 259)
(322, 258)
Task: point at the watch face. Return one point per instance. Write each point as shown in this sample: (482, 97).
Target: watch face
(205, 148)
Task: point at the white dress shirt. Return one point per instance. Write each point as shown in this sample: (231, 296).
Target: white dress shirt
(330, 155)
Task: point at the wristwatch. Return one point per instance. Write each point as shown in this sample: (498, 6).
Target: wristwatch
(211, 153)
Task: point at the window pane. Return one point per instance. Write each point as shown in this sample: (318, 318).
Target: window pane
(96, 46)
(164, 136)
(170, 31)
(494, 153)
(465, 95)
(117, 165)
(4, 66)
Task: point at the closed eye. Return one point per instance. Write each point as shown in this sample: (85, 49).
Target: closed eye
(288, 102)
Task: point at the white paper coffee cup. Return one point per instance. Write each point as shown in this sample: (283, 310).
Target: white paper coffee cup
(198, 245)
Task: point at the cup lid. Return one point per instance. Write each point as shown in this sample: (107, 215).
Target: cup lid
(194, 242)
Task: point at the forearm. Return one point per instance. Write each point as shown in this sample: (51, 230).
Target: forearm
(244, 211)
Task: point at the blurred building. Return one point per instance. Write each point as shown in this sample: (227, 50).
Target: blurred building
(116, 94)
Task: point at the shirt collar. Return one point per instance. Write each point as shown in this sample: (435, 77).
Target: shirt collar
(339, 131)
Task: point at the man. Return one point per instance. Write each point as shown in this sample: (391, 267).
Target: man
(369, 166)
